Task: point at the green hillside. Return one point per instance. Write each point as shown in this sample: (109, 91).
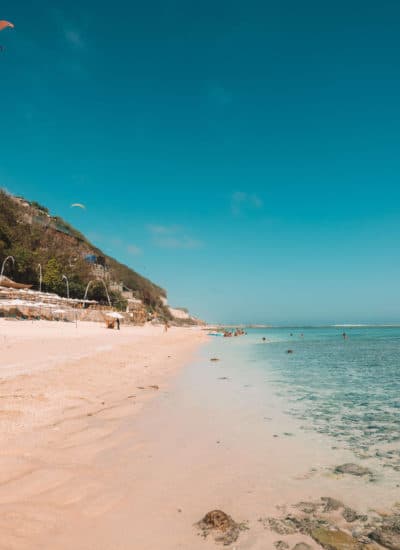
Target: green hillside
(32, 236)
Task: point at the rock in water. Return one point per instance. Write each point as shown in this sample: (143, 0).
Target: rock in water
(386, 538)
(307, 507)
(302, 546)
(290, 524)
(352, 469)
(388, 535)
(331, 504)
(222, 526)
(351, 515)
(281, 545)
(339, 540)
(283, 526)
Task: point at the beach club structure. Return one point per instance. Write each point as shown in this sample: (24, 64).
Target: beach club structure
(21, 302)
(18, 300)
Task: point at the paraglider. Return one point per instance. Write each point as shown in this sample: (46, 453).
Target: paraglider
(78, 205)
(5, 24)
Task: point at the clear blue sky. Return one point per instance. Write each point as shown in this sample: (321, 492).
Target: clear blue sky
(244, 155)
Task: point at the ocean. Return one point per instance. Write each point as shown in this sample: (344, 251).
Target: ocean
(347, 389)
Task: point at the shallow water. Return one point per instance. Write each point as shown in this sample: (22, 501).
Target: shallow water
(348, 389)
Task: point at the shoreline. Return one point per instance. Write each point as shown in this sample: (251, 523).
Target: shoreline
(128, 471)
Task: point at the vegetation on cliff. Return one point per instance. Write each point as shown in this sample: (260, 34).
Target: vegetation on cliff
(32, 236)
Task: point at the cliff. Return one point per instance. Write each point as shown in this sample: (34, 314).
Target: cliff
(30, 234)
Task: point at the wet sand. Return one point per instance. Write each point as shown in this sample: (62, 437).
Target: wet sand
(105, 476)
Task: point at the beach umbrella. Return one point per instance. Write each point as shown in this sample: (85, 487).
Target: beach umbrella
(115, 315)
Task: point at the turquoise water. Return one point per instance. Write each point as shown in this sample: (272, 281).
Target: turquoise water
(348, 389)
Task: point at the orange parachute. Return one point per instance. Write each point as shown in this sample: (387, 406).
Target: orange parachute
(5, 24)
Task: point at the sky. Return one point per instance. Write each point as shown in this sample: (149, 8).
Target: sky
(243, 155)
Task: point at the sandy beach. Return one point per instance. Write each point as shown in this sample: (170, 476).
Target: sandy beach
(108, 443)
(65, 392)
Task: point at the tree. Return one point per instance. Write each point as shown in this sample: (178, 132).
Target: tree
(24, 264)
(98, 292)
(52, 276)
(118, 301)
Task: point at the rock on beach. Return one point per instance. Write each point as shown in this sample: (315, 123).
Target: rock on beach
(352, 469)
(224, 529)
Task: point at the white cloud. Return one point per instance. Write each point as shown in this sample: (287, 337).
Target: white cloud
(242, 202)
(172, 236)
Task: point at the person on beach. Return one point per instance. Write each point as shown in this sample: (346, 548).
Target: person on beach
(118, 324)
(166, 326)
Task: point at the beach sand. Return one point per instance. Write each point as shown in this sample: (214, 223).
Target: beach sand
(64, 394)
(89, 461)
